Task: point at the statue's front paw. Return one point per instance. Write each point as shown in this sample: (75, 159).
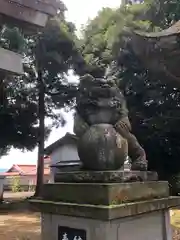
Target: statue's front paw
(139, 165)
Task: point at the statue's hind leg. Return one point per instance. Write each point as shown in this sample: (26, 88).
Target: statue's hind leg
(135, 151)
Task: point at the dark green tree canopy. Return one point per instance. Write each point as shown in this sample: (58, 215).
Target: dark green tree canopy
(153, 105)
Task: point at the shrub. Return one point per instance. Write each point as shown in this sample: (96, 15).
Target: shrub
(16, 187)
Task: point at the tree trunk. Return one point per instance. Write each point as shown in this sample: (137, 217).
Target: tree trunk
(40, 164)
(3, 97)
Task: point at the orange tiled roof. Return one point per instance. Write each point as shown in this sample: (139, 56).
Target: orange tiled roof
(24, 170)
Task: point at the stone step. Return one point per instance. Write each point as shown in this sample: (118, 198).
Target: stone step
(104, 212)
(105, 193)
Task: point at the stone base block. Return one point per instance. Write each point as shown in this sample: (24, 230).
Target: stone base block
(134, 221)
(149, 226)
(103, 176)
(104, 193)
(102, 211)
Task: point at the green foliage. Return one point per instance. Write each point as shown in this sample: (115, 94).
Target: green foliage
(174, 182)
(12, 39)
(16, 185)
(102, 34)
(153, 105)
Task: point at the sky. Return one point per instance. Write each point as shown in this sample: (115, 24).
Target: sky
(79, 12)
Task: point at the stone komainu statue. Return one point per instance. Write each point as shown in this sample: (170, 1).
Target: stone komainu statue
(103, 128)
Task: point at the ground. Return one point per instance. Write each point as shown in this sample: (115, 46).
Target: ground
(175, 221)
(16, 196)
(175, 218)
(20, 224)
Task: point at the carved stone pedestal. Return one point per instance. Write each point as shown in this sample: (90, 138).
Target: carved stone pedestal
(105, 210)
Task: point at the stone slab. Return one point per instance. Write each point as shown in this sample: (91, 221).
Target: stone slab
(11, 62)
(39, 5)
(103, 193)
(103, 176)
(14, 11)
(104, 212)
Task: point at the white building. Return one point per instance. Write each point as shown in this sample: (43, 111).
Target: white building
(63, 153)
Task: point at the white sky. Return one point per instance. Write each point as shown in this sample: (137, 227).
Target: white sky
(79, 11)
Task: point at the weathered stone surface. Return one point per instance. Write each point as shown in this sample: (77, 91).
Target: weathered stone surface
(107, 150)
(20, 12)
(104, 193)
(105, 212)
(103, 176)
(46, 6)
